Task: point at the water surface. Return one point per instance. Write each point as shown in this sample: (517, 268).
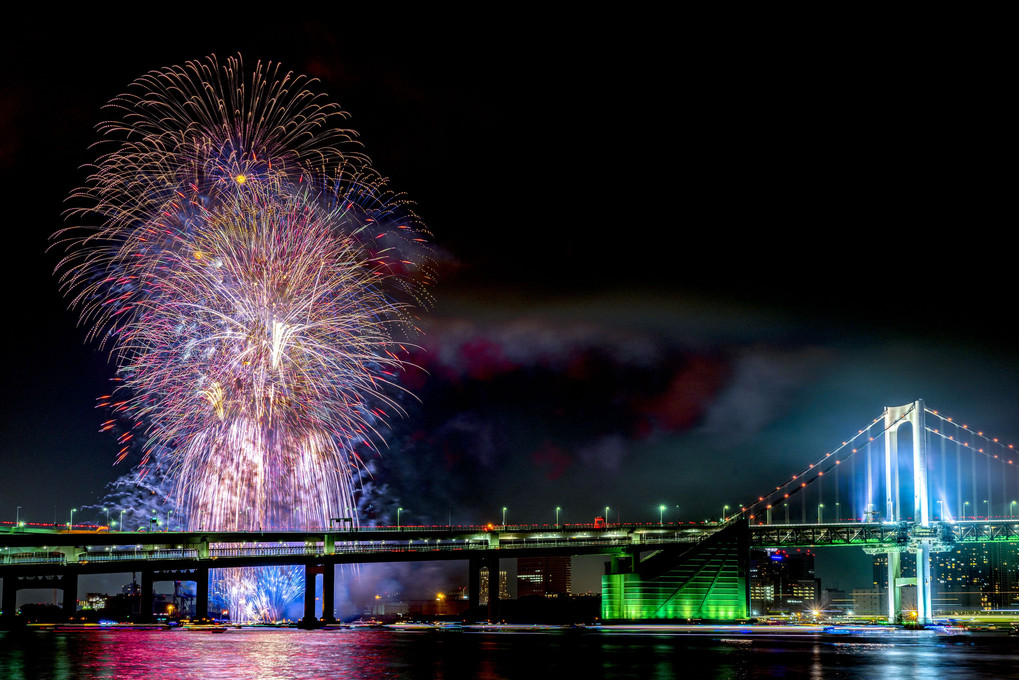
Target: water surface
(281, 654)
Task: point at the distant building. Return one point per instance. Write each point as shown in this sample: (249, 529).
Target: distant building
(503, 586)
(869, 602)
(835, 602)
(94, 601)
(545, 576)
(783, 581)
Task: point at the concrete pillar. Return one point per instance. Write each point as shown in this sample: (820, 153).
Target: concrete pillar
(309, 620)
(924, 606)
(145, 613)
(9, 604)
(328, 593)
(201, 593)
(70, 585)
(894, 594)
(474, 584)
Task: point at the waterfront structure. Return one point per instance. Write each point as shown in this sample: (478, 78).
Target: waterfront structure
(707, 581)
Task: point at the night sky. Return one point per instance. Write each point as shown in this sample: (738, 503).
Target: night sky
(678, 259)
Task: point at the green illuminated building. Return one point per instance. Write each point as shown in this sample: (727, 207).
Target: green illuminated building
(708, 581)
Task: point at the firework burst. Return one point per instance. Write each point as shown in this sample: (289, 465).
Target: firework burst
(253, 279)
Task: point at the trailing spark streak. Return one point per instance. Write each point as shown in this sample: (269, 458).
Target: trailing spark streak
(253, 279)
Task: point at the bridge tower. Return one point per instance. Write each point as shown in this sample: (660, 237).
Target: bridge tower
(895, 417)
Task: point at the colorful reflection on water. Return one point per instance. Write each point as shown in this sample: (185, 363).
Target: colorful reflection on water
(284, 654)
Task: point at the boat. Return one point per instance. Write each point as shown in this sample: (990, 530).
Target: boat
(363, 623)
(79, 627)
(448, 626)
(203, 627)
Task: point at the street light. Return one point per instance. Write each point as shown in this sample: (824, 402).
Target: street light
(504, 516)
(107, 511)
(17, 517)
(940, 517)
(724, 508)
(820, 512)
(838, 513)
(1011, 507)
(987, 511)
(398, 512)
(70, 522)
(661, 515)
(606, 515)
(964, 504)
(557, 509)
(121, 520)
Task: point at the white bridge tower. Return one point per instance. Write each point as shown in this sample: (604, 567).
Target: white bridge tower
(895, 417)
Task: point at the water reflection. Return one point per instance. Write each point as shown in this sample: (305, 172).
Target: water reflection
(275, 654)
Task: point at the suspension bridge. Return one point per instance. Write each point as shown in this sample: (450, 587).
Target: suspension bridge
(912, 482)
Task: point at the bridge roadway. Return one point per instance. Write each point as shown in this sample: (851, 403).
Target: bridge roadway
(33, 558)
(101, 551)
(39, 551)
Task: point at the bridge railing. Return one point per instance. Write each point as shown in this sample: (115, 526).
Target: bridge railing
(35, 557)
(121, 555)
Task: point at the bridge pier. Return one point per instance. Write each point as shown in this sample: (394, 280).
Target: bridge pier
(328, 593)
(66, 581)
(9, 603)
(145, 614)
(894, 583)
(924, 613)
(70, 585)
(474, 565)
(202, 594)
(310, 621)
